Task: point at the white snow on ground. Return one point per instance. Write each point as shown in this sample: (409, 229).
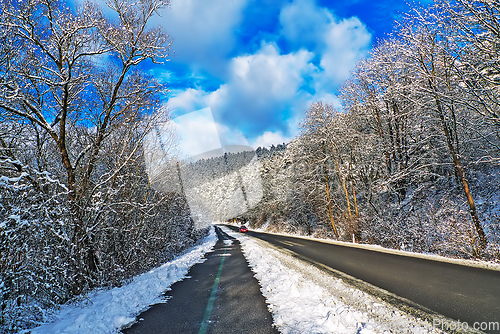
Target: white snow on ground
(304, 299)
(106, 311)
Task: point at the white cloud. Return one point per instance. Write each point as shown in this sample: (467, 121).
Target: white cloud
(259, 88)
(270, 138)
(193, 99)
(346, 43)
(303, 23)
(231, 136)
(187, 100)
(203, 31)
(270, 74)
(339, 43)
(197, 133)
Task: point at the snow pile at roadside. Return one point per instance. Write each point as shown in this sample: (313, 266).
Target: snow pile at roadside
(304, 299)
(106, 311)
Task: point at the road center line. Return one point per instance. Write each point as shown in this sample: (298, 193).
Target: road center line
(211, 300)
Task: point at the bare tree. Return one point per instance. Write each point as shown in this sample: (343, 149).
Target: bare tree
(477, 30)
(433, 55)
(74, 80)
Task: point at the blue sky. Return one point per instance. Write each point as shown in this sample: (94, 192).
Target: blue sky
(258, 64)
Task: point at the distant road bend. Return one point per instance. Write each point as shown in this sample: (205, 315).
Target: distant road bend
(460, 292)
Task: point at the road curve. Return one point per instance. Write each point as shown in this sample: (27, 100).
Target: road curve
(460, 292)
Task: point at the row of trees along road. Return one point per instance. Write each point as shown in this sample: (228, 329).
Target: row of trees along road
(412, 159)
(76, 209)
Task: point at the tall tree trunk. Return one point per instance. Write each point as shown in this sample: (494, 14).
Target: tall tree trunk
(483, 241)
(354, 197)
(345, 190)
(329, 203)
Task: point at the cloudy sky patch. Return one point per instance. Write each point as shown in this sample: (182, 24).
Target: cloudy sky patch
(258, 64)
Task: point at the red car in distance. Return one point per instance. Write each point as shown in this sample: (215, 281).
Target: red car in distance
(243, 229)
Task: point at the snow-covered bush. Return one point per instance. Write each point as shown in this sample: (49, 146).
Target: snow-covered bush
(35, 231)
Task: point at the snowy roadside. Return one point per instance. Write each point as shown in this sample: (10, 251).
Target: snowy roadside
(303, 299)
(106, 311)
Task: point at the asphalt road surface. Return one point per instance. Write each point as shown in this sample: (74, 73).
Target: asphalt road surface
(221, 295)
(459, 292)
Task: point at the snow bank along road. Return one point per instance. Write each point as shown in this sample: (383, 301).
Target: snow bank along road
(420, 286)
(219, 295)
